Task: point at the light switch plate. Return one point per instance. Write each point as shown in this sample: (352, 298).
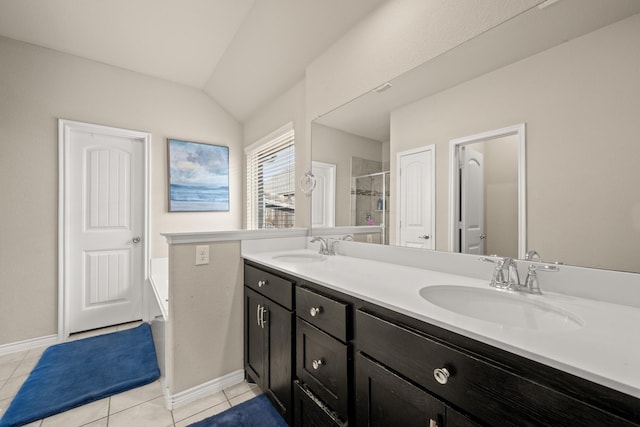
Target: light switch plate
(202, 254)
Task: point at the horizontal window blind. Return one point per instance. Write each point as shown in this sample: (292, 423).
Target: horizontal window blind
(271, 183)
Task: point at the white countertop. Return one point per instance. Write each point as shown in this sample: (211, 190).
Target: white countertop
(605, 350)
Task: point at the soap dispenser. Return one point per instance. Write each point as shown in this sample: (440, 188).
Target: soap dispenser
(379, 205)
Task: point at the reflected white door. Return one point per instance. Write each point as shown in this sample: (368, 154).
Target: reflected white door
(104, 186)
(323, 198)
(416, 198)
(472, 202)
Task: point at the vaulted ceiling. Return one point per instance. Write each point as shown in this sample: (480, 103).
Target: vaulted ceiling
(242, 53)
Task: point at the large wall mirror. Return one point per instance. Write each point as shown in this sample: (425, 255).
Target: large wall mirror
(570, 73)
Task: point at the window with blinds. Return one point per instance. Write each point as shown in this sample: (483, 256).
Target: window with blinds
(271, 183)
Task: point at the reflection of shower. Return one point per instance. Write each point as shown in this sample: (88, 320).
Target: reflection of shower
(370, 201)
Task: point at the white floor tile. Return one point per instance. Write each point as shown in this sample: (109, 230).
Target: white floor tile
(148, 414)
(198, 406)
(12, 386)
(103, 422)
(204, 414)
(25, 367)
(136, 396)
(7, 370)
(245, 396)
(79, 416)
(35, 352)
(238, 389)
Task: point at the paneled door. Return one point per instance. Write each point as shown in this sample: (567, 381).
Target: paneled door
(323, 198)
(105, 226)
(416, 198)
(472, 202)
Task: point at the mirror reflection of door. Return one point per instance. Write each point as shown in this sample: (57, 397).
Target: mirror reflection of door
(323, 197)
(416, 198)
(488, 197)
(472, 197)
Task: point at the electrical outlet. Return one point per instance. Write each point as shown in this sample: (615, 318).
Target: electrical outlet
(202, 254)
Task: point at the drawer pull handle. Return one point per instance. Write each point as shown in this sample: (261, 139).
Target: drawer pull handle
(317, 363)
(258, 314)
(261, 283)
(441, 375)
(315, 311)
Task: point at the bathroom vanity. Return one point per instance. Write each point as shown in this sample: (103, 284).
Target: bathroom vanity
(329, 354)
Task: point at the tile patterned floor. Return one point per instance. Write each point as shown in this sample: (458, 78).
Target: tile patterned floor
(140, 407)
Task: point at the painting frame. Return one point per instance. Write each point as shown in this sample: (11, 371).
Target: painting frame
(198, 176)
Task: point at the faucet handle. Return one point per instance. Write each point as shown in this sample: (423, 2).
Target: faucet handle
(497, 281)
(531, 283)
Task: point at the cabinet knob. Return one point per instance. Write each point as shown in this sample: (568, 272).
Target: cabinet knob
(441, 375)
(261, 283)
(317, 363)
(314, 311)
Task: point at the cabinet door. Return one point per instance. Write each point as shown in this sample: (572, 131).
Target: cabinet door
(254, 341)
(385, 399)
(279, 357)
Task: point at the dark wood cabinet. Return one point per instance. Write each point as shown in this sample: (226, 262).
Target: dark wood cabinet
(325, 358)
(492, 394)
(268, 343)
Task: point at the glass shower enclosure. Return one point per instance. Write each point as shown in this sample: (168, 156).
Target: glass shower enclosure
(370, 201)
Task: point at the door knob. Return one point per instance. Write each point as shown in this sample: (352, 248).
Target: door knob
(136, 239)
(441, 375)
(317, 363)
(483, 236)
(315, 311)
(424, 236)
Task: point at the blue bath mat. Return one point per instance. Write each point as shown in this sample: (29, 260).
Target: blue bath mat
(75, 373)
(257, 412)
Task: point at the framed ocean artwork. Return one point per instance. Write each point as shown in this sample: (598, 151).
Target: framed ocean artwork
(198, 176)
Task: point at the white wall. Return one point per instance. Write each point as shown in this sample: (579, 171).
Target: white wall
(337, 147)
(288, 107)
(38, 86)
(393, 39)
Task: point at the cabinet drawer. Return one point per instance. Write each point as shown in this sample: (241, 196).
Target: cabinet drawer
(494, 395)
(274, 287)
(322, 365)
(309, 412)
(323, 312)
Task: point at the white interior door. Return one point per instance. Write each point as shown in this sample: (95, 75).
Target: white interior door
(105, 227)
(323, 198)
(416, 198)
(472, 202)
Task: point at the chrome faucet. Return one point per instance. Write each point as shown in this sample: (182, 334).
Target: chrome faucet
(512, 282)
(328, 244)
(532, 255)
(324, 245)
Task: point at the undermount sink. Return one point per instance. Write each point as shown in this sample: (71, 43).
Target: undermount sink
(300, 258)
(505, 308)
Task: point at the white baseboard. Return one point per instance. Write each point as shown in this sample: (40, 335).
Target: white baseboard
(28, 344)
(203, 390)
